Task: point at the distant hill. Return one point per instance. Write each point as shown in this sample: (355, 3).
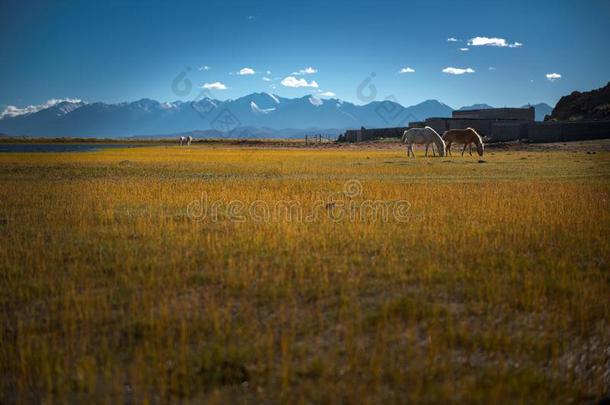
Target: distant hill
(542, 110)
(256, 114)
(429, 108)
(476, 107)
(588, 105)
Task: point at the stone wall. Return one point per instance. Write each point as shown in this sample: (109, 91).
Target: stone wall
(508, 131)
(364, 134)
(567, 131)
(523, 114)
(498, 130)
(482, 126)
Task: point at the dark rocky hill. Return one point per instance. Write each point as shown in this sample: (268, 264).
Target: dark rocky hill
(588, 105)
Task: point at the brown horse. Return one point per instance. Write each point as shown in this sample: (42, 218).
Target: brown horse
(466, 136)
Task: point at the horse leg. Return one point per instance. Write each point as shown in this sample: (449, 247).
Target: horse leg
(433, 154)
(426, 155)
(470, 148)
(464, 150)
(449, 148)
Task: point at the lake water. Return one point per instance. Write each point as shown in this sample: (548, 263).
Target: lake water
(59, 147)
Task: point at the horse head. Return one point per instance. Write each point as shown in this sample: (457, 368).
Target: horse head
(478, 140)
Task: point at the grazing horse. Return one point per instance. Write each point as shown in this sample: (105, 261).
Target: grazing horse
(466, 136)
(422, 136)
(182, 140)
(189, 139)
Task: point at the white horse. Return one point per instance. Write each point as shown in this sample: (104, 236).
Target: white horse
(189, 139)
(421, 136)
(182, 140)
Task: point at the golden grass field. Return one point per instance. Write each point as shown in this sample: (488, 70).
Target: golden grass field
(495, 289)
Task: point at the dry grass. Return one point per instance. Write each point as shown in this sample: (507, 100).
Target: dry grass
(496, 289)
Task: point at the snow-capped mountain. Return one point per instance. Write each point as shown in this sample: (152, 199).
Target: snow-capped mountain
(256, 110)
(261, 111)
(57, 106)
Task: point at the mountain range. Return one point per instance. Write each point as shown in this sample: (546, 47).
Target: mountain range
(254, 115)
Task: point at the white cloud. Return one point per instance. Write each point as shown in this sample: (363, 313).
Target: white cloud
(407, 70)
(204, 67)
(327, 94)
(464, 49)
(266, 79)
(457, 71)
(246, 71)
(499, 42)
(268, 72)
(491, 68)
(553, 76)
(292, 81)
(307, 71)
(214, 86)
(452, 39)
(12, 111)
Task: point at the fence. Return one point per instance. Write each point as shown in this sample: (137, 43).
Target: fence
(316, 139)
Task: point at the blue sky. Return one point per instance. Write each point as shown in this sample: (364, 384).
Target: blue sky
(115, 51)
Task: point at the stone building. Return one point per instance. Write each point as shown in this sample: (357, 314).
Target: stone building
(498, 125)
